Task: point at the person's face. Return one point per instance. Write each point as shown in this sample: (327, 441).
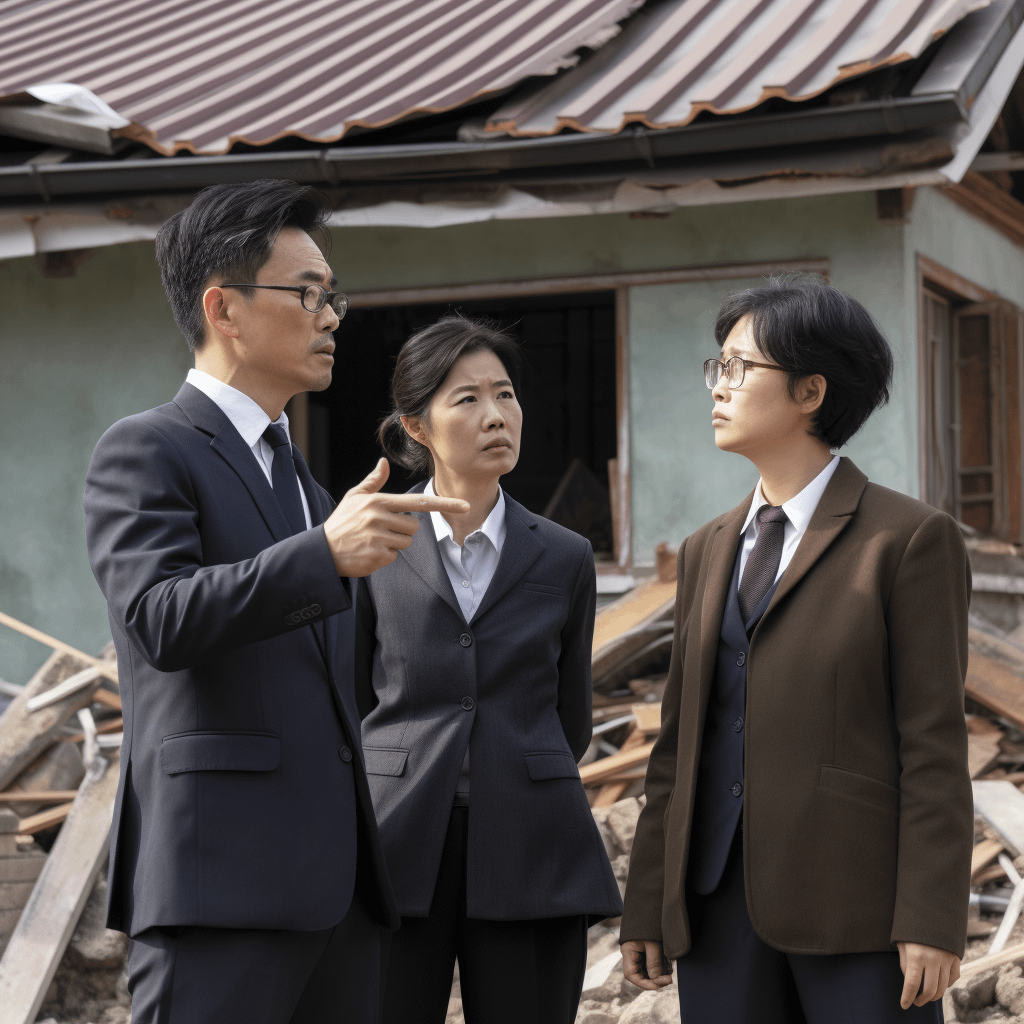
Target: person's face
(759, 415)
(278, 338)
(474, 422)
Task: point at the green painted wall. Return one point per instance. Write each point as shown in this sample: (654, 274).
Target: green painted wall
(77, 355)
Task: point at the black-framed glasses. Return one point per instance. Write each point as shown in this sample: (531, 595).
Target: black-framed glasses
(313, 296)
(734, 369)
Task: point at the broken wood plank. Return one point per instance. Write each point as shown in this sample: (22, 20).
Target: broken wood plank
(979, 725)
(648, 718)
(107, 699)
(982, 754)
(44, 819)
(25, 734)
(42, 796)
(611, 792)
(1001, 804)
(984, 854)
(56, 903)
(109, 668)
(607, 767)
(989, 874)
(648, 601)
(79, 681)
(1011, 955)
(995, 676)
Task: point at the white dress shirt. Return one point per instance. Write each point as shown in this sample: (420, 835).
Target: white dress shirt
(798, 516)
(249, 420)
(471, 566)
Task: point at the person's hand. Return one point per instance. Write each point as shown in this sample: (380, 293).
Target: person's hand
(927, 973)
(367, 530)
(644, 964)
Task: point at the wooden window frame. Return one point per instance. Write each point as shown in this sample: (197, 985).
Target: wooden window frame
(619, 283)
(929, 274)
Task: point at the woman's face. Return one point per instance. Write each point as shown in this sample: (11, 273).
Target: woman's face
(760, 415)
(474, 422)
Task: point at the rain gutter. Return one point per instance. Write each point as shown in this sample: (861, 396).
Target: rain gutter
(466, 161)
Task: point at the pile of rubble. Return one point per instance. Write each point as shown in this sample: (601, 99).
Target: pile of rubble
(60, 738)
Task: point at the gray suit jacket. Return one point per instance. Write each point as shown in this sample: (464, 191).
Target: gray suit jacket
(514, 686)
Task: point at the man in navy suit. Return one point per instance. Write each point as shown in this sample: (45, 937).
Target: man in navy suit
(245, 861)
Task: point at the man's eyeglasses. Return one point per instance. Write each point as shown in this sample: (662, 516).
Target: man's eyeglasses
(735, 370)
(313, 296)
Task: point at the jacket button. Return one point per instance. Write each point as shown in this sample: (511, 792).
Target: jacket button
(741, 659)
(737, 788)
(465, 639)
(467, 703)
(738, 725)
(345, 754)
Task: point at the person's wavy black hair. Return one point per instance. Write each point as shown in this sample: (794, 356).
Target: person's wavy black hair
(809, 327)
(423, 365)
(229, 230)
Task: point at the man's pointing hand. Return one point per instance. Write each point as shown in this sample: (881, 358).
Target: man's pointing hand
(367, 529)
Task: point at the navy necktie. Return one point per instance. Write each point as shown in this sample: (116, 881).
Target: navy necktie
(284, 478)
(763, 561)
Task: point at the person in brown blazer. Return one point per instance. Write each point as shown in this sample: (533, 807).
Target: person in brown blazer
(804, 852)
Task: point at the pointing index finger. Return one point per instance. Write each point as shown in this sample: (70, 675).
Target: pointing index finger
(423, 503)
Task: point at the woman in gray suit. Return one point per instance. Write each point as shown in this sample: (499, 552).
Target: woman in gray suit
(473, 676)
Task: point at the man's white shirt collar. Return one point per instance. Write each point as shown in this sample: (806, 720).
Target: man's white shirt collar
(800, 508)
(493, 527)
(245, 415)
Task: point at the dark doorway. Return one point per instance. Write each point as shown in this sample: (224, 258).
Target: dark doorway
(567, 395)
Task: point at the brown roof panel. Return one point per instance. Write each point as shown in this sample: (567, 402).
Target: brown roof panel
(680, 57)
(198, 75)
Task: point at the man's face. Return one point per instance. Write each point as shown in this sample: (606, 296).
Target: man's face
(279, 338)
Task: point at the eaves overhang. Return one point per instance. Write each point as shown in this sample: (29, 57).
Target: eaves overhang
(499, 160)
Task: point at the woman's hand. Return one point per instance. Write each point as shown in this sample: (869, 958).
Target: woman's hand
(927, 973)
(644, 964)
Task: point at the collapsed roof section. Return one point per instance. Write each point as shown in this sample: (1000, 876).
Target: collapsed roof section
(912, 89)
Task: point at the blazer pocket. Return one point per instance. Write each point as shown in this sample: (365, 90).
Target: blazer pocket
(385, 760)
(551, 764)
(543, 588)
(220, 752)
(843, 782)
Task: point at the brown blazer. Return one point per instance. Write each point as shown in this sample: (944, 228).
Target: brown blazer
(857, 816)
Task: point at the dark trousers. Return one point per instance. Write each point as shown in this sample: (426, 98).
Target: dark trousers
(193, 975)
(509, 971)
(731, 974)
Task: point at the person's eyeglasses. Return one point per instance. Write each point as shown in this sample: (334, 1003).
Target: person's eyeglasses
(313, 296)
(735, 370)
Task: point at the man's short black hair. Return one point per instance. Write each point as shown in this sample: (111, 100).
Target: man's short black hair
(809, 327)
(229, 230)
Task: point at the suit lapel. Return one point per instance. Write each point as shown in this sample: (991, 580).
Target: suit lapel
(720, 567)
(831, 517)
(520, 550)
(205, 415)
(425, 558)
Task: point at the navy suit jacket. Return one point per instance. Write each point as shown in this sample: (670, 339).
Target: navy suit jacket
(514, 686)
(242, 801)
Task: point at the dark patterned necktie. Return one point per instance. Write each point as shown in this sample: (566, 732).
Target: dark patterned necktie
(763, 560)
(284, 478)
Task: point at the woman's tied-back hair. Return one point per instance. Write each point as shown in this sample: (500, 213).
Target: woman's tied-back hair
(808, 327)
(229, 231)
(423, 365)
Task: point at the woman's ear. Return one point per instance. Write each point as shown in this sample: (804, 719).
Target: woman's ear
(414, 428)
(810, 393)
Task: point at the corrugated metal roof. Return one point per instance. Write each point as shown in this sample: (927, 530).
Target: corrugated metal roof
(199, 75)
(678, 58)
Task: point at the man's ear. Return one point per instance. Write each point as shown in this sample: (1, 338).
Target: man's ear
(810, 393)
(217, 310)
